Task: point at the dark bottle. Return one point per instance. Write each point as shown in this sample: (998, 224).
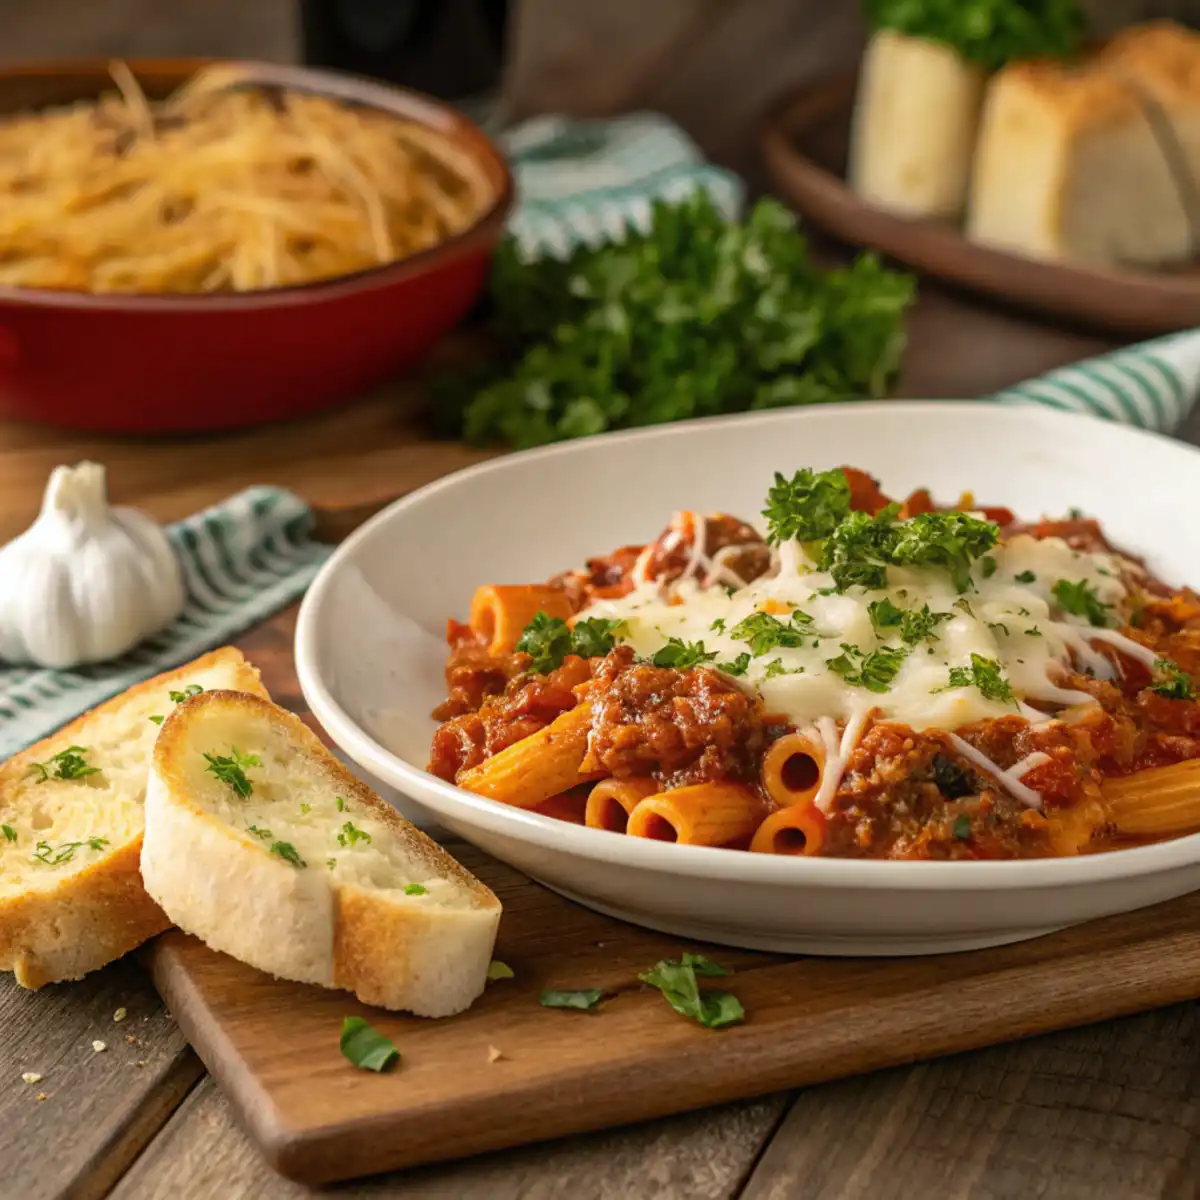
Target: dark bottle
(449, 48)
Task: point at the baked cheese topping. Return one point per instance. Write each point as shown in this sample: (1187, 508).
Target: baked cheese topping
(918, 650)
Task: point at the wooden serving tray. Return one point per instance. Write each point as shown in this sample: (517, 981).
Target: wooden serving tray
(805, 139)
(273, 1046)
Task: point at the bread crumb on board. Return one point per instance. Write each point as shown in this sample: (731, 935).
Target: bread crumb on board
(120, 1015)
(99, 1047)
(31, 1077)
(495, 1054)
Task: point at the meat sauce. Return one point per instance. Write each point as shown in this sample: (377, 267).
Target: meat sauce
(903, 794)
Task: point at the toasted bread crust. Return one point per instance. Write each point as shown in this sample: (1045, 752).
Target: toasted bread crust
(396, 954)
(100, 912)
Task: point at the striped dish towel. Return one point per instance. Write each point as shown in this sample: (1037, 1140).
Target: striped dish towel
(580, 181)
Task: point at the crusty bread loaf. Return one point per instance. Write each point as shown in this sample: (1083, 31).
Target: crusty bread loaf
(71, 895)
(1070, 166)
(292, 865)
(915, 121)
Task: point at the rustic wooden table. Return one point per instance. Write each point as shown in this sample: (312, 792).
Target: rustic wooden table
(1107, 1111)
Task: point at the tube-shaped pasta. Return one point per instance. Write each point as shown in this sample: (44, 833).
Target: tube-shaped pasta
(542, 765)
(566, 806)
(499, 613)
(792, 769)
(1159, 802)
(612, 800)
(702, 814)
(798, 830)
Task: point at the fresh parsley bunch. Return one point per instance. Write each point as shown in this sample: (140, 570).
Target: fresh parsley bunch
(695, 317)
(988, 32)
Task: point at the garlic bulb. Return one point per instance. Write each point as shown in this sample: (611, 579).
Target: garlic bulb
(84, 582)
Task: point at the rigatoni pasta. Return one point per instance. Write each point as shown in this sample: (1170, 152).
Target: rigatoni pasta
(864, 678)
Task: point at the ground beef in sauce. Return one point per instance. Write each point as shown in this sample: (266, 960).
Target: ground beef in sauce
(683, 726)
(527, 704)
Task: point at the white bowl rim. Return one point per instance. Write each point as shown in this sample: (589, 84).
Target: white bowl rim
(707, 862)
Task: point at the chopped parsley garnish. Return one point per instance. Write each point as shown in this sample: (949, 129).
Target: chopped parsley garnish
(580, 998)
(962, 828)
(157, 718)
(984, 674)
(350, 835)
(192, 689)
(915, 625)
(365, 1046)
(679, 984)
(718, 626)
(737, 667)
(764, 632)
(53, 855)
(415, 889)
(808, 507)
(265, 834)
(775, 667)
(499, 970)
(858, 551)
(1080, 600)
(305, 809)
(682, 655)
(952, 540)
(66, 764)
(874, 671)
(548, 640)
(987, 566)
(1173, 683)
(10, 834)
(1033, 631)
(998, 627)
(1026, 577)
(964, 605)
(231, 769)
(287, 852)
(341, 804)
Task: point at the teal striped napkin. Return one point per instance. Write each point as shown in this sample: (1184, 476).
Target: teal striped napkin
(579, 181)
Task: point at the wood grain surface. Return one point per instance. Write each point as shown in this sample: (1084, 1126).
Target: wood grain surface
(273, 1046)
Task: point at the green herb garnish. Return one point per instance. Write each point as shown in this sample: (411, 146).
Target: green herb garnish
(192, 689)
(873, 671)
(884, 614)
(952, 540)
(695, 316)
(548, 640)
(737, 666)
(264, 834)
(582, 998)
(498, 970)
(1173, 683)
(858, 551)
(914, 624)
(157, 718)
(679, 984)
(764, 632)
(231, 769)
(341, 804)
(366, 1047)
(287, 852)
(988, 32)
(962, 828)
(10, 834)
(350, 835)
(415, 889)
(53, 855)
(986, 675)
(66, 764)
(682, 655)
(808, 507)
(1026, 577)
(1080, 600)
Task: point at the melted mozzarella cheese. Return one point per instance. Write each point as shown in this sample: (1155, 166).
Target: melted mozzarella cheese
(1018, 624)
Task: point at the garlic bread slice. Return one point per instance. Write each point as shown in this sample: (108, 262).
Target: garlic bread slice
(71, 821)
(260, 843)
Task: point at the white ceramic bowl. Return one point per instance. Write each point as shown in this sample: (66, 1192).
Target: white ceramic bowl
(370, 653)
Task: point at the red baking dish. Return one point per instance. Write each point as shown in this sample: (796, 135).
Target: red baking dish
(175, 363)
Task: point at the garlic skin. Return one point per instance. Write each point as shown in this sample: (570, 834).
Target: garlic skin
(85, 582)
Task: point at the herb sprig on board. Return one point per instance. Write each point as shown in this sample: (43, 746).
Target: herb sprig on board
(694, 317)
(988, 32)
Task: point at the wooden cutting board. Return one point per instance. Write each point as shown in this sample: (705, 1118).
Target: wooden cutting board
(273, 1046)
